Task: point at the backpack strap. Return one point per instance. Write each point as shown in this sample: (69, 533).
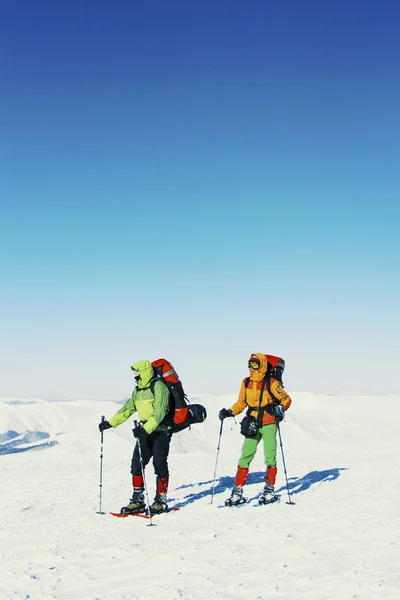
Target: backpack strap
(151, 385)
(260, 409)
(168, 417)
(269, 388)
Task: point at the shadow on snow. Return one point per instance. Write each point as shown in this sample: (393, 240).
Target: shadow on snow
(296, 484)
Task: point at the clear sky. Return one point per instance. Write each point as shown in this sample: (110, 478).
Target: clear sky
(199, 180)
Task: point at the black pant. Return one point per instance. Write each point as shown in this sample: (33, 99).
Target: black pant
(155, 445)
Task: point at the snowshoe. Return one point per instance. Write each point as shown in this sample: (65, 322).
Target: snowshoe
(125, 510)
(236, 498)
(263, 500)
(136, 505)
(159, 505)
(268, 496)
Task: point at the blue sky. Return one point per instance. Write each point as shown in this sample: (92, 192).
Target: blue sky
(199, 181)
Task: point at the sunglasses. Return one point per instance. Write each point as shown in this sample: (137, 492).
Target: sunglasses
(254, 365)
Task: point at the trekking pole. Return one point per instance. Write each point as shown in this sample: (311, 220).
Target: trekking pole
(216, 461)
(144, 478)
(290, 501)
(100, 512)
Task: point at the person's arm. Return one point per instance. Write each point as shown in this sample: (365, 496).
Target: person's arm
(240, 403)
(124, 413)
(280, 395)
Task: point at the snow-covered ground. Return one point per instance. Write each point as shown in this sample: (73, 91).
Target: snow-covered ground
(339, 541)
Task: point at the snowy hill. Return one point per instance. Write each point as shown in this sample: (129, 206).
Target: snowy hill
(339, 541)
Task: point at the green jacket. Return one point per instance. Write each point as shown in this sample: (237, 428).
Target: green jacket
(151, 409)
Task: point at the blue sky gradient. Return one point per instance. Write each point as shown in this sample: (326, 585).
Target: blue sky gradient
(199, 180)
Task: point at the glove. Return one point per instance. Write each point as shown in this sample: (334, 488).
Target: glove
(279, 413)
(139, 432)
(225, 412)
(104, 425)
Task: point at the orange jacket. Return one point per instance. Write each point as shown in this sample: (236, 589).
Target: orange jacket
(250, 396)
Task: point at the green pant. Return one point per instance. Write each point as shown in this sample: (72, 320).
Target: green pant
(249, 448)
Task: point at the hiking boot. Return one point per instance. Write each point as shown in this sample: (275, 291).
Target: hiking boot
(268, 494)
(159, 505)
(236, 497)
(136, 504)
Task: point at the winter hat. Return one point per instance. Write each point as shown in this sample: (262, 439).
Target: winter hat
(254, 358)
(145, 370)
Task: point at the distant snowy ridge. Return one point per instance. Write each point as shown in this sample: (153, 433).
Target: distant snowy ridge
(9, 400)
(13, 442)
(29, 400)
(28, 423)
(33, 423)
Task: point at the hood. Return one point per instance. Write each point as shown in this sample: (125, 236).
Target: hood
(146, 372)
(262, 371)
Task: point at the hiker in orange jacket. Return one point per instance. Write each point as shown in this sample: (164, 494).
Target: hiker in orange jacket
(266, 401)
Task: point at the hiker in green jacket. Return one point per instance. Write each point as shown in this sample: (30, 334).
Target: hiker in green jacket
(150, 399)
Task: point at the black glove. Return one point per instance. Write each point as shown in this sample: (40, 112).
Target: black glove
(224, 413)
(279, 413)
(104, 425)
(139, 432)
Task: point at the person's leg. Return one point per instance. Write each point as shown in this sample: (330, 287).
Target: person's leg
(268, 433)
(146, 452)
(249, 449)
(137, 503)
(161, 443)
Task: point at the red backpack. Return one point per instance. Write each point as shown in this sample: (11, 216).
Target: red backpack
(182, 414)
(275, 368)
